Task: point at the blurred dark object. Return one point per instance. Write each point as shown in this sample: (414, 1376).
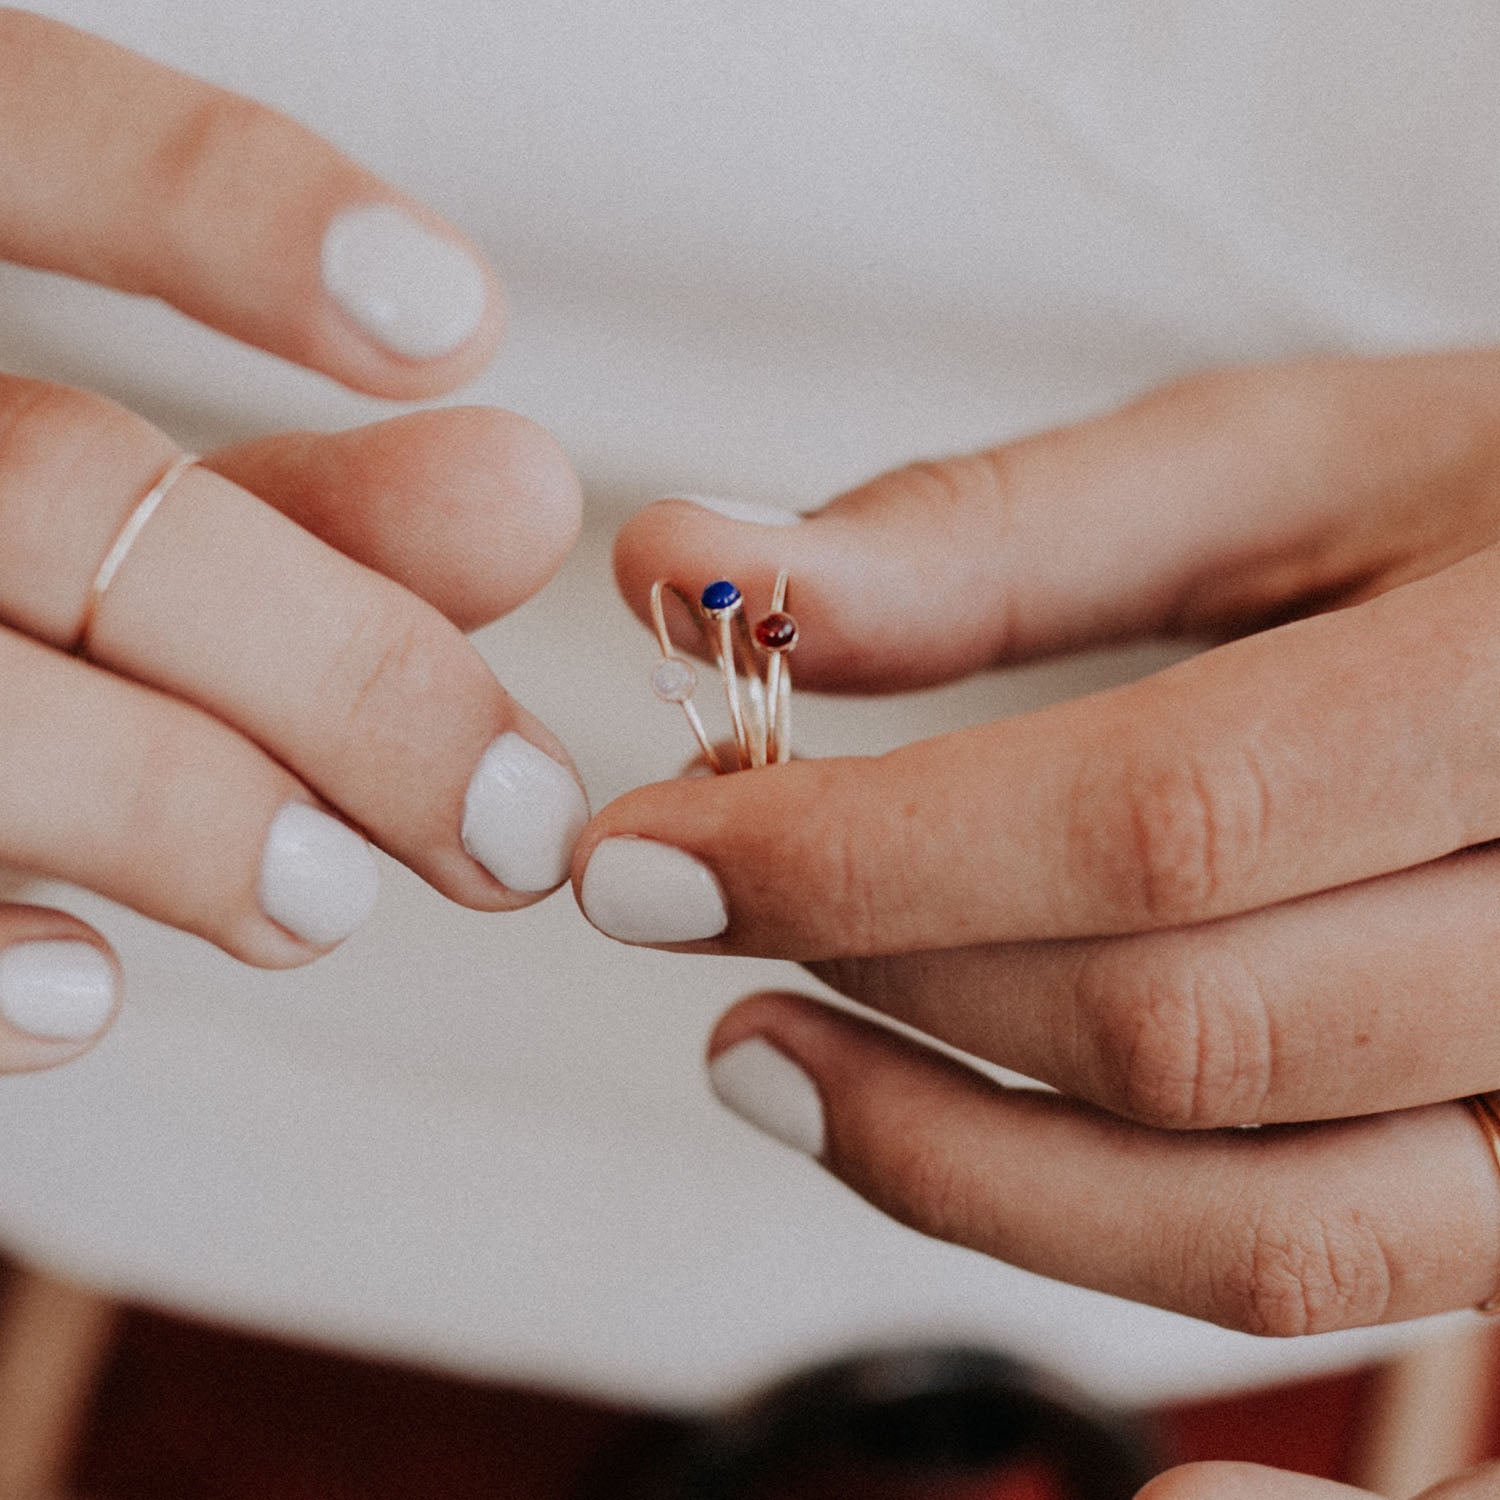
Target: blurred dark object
(168, 1408)
(916, 1424)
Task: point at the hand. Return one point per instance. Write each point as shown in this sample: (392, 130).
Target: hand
(1251, 889)
(1252, 1482)
(278, 668)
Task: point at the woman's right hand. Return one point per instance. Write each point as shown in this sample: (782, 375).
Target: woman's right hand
(278, 669)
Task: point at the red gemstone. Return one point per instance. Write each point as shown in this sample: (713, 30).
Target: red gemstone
(777, 632)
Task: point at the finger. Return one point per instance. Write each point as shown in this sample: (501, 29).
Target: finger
(116, 169)
(366, 692)
(473, 508)
(1375, 997)
(1282, 1230)
(1477, 1484)
(59, 988)
(1233, 1481)
(155, 804)
(1306, 757)
(1224, 502)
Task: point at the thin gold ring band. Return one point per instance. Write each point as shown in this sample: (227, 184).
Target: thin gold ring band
(1486, 1112)
(135, 523)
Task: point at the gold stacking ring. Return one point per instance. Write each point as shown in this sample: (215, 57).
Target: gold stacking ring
(1486, 1111)
(135, 523)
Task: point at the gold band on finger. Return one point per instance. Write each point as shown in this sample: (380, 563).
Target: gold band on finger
(135, 523)
(723, 606)
(776, 635)
(674, 679)
(1486, 1111)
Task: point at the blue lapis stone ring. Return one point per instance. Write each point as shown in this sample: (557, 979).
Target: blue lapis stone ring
(720, 598)
(723, 608)
(760, 716)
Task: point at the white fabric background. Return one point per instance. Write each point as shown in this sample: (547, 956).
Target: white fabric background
(758, 249)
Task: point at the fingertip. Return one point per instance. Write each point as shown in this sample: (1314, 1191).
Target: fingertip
(472, 507)
(692, 544)
(1242, 1481)
(485, 500)
(544, 506)
(884, 599)
(796, 1022)
(755, 1074)
(60, 989)
(412, 308)
(525, 809)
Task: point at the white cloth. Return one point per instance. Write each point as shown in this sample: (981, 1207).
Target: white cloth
(761, 250)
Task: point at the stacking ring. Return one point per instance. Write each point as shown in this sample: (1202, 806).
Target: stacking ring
(135, 523)
(1486, 1111)
(762, 727)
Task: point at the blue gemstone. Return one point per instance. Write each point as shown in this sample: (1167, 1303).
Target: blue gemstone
(719, 596)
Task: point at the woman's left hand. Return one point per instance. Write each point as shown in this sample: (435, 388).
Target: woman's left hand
(1254, 889)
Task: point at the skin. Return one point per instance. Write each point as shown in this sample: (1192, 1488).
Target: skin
(289, 625)
(1254, 888)
(1252, 1482)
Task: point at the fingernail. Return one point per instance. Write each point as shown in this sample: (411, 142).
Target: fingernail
(318, 877)
(522, 815)
(63, 991)
(641, 891)
(769, 1090)
(743, 510)
(413, 291)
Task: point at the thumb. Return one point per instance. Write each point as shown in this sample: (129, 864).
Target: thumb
(1216, 505)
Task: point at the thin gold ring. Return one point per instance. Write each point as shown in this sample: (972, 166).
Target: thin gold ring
(776, 634)
(723, 608)
(674, 679)
(1486, 1112)
(135, 523)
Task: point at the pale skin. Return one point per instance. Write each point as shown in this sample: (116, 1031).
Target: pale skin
(1250, 890)
(289, 626)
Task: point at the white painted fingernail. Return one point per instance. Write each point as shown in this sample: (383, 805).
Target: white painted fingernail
(641, 891)
(769, 1090)
(743, 510)
(318, 877)
(415, 292)
(522, 815)
(61, 990)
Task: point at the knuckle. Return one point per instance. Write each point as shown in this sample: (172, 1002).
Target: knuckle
(41, 425)
(178, 779)
(1180, 1038)
(857, 877)
(1301, 1270)
(1167, 841)
(192, 169)
(395, 671)
(957, 485)
(53, 440)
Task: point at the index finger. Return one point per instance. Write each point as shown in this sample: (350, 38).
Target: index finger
(1320, 753)
(124, 172)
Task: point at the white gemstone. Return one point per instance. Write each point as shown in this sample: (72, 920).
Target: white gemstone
(673, 680)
